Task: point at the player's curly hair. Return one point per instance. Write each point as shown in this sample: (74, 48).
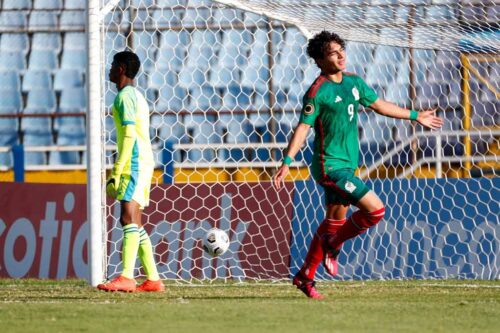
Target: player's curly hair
(317, 45)
(131, 62)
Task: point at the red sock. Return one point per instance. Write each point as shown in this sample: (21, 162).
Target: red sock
(315, 253)
(357, 224)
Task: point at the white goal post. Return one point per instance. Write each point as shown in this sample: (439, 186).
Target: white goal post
(224, 81)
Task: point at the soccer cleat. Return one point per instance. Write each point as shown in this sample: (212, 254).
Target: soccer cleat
(153, 286)
(329, 255)
(120, 283)
(306, 286)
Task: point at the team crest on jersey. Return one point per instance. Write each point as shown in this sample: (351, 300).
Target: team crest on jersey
(350, 187)
(355, 93)
(309, 109)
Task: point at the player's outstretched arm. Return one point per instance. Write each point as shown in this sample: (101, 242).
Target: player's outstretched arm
(426, 118)
(298, 139)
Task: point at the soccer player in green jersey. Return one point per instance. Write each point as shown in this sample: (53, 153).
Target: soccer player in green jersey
(331, 106)
(130, 179)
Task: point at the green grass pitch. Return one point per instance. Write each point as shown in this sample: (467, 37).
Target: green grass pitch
(372, 306)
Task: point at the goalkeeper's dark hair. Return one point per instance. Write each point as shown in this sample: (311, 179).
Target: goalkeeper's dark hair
(131, 62)
(317, 45)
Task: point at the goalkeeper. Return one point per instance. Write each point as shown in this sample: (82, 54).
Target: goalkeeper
(331, 106)
(130, 179)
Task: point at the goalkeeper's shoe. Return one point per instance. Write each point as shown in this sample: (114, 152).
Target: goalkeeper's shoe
(120, 283)
(306, 286)
(330, 254)
(149, 285)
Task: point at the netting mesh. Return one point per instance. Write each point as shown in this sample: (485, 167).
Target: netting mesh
(225, 85)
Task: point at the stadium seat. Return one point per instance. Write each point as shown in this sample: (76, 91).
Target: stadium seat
(255, 78)
(380, 74)
(43, 20)
(36, 79)
(36, 125)
(9, 80)
(8, 126)
(67, 157)
(46, 41)
(172, 51)
(48, 4)
(7, 139)
(440, 14)
(348, 14)
(221, 77)
(171, 99)
(398, 93)
(358, 53)
(227, 16)
(11, 100)
(67, 78)
(12, 61)
(190, 77)
(284, 76)
(377, 15)
(75, 4)
(195, 17)
(43, 60)
(17, 4)
(73, 98)
(166, 18)
(258, 55)
(14, 42)
(201, 129)
(203, 98)
(260, 133)
(235, 98)
(68, 125)
(310, 74)
(75, 41)
(74, 59)
(41, 99)
(30, 140)
(72, 20)
(232, 129)
(9, 20)
(162, 77)
(388, 54)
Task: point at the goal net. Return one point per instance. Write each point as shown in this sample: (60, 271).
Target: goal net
(224, 81)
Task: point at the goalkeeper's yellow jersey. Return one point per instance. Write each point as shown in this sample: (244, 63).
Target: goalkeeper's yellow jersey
(130, 108)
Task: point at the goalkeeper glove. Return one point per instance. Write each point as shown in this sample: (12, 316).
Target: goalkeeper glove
(112, 185)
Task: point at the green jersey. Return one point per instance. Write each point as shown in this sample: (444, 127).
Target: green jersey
(332, 108)
(131, 108)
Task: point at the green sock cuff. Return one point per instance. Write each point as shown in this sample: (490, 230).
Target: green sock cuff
(132, 227)
(143, 235)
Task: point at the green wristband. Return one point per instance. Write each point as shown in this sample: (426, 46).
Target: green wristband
(287, 160)
(413, 115)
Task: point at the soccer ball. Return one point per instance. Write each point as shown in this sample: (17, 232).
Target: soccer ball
(215, 242)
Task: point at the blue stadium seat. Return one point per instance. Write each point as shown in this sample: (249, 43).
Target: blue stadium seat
(258, 55)
(75, 4)
(9, 80)
(43, 20)
(260, 101)
(36, 79)
(221, 77)
(205, 38)
(255, 78)
(359, 53)
(440, 14)
(431, 94)
(227, 16)
(7, 139)
(195, 17)
(17, 4)
(72, 20)
(173, 48)
(11, 100)
(9, 20)
(233, 128)
(30, 140)
(162, 77)
(8, 126)
(46, 41)
(201, 129)
(380, 74)
(171, 99)
(192, 76)
(235, 98)
(74, 59)
(251, 19)
(398, 93)
(36, 125)
(357, 69)
(201, 57)
(377, 15)
(311, 73)
(41, 99)
(260, 133)
(48, 4)
(69, 125)
(166, 18)
(203, 98)
(43, 60)
(73, 98)
(67, 78)
(75, 41)
(388, 54)
(284, 76)
(348, 14)
(12, 60)
(67, 157)
(14, 42)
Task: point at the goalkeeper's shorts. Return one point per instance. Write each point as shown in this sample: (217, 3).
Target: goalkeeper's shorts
(136, 186)
(342, 187)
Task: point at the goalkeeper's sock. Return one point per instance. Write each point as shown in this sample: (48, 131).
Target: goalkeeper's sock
(356, 224)
(315, 253)
(147, 257)
(129, 249)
